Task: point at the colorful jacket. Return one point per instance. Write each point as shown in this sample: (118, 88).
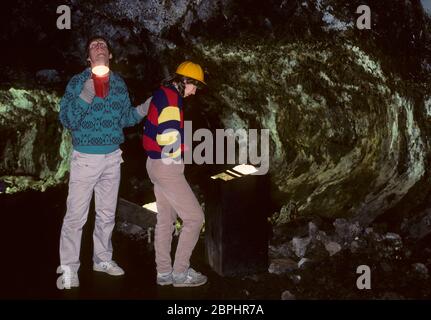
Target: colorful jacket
(164, 126)
(97, 127)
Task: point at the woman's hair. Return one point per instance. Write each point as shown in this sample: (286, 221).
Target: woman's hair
(180, 82)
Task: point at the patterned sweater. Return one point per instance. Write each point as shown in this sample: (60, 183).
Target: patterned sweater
(97, 127)
(164, 126)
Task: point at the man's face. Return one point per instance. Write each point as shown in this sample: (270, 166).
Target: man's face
(99, 53)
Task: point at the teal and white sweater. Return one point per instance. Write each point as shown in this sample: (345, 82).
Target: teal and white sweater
(97, 127)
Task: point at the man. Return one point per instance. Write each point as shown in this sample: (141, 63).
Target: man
(96, 125)
(163, 141)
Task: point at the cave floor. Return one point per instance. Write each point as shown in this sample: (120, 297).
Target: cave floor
(30, 241)
(31, 224)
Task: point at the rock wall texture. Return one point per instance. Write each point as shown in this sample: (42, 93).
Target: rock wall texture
(348, 110)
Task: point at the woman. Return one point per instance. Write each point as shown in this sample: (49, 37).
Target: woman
(164, 143)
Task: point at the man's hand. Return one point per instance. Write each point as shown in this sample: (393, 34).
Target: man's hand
(88, 92)
(143, 107)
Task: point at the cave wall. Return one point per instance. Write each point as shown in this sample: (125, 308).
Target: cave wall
(34, 147)
(348, 110)
(347, 139)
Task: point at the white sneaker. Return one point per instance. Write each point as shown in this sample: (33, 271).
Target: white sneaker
(109, 267)
(164, 279)
(68, 280)
(190, 278)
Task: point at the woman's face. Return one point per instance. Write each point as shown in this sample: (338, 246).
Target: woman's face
(190, 89)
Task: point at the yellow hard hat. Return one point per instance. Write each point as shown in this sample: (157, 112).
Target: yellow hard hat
(191, 70)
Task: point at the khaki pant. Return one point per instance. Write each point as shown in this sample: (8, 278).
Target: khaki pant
(90, 172)
(174, 196)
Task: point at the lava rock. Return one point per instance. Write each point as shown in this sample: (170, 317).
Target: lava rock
(283, 250)
(354, 246)
(287, 295)
(368, 231)
(322, 237)
(35, 148)
(420, 226)
(299, 245)
(282, 266)
(396, 238)
(347, 231)
(420, 270)
(316, 251)
(304, 263)
(332, 247)
(312, 229)
(296, 278)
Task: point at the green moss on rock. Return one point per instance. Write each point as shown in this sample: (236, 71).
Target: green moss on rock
(35, 149)
(336, 133)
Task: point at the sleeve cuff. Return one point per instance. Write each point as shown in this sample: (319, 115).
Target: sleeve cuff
(137, 114)
(84, 104)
